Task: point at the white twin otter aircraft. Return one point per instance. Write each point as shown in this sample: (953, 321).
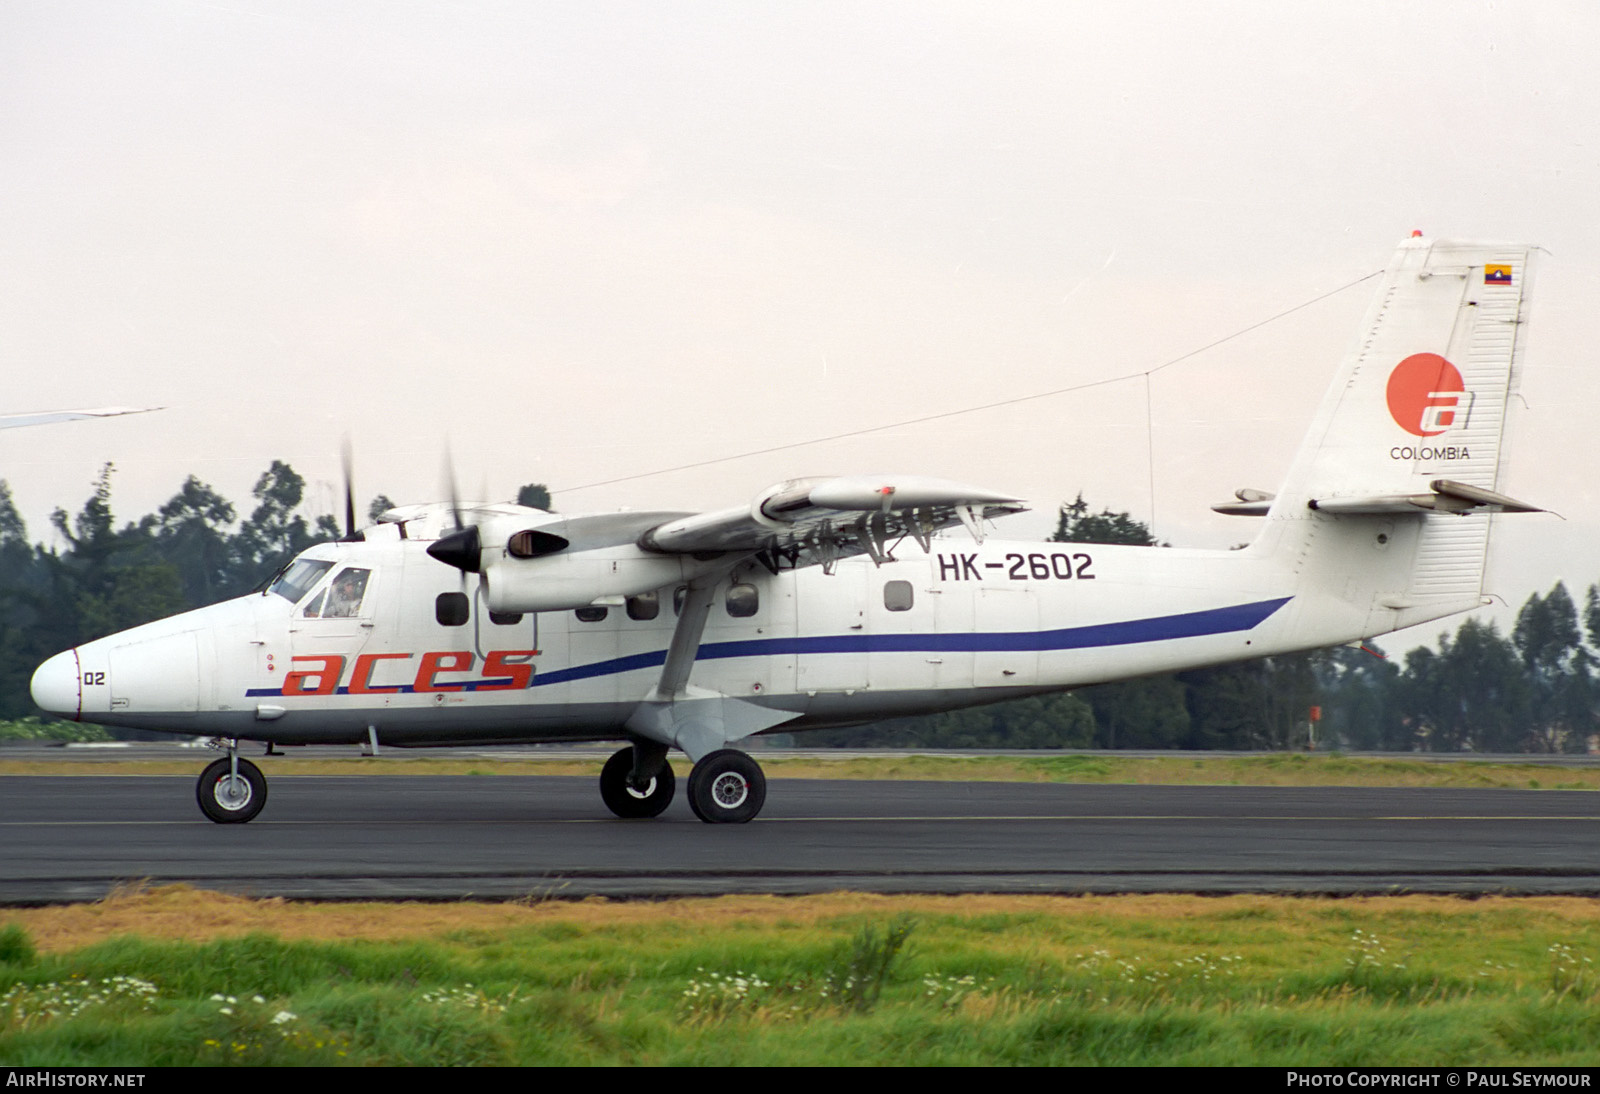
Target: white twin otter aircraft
(834, 601)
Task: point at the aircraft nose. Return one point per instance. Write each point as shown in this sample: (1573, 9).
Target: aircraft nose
(55, 685)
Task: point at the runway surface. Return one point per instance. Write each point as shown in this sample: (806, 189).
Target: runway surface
(71, 838)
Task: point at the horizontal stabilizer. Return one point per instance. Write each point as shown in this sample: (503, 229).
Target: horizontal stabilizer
(1251, 503)
(1445, 496)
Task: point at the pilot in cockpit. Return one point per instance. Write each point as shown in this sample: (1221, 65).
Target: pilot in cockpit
(348, 589)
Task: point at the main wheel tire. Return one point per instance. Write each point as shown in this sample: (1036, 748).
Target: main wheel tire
(626, 802)
(727, 787)
(229, 801)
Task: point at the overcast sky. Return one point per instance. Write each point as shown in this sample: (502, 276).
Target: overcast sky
(588, 241)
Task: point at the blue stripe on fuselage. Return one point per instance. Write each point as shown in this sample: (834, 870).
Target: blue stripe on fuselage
(1239, 617)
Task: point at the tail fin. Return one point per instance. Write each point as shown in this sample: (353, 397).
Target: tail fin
(1410, 434)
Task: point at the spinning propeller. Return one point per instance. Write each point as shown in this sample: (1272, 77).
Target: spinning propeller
(347, 461)
(462, 548)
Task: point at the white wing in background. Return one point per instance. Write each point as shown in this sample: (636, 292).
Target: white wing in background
(45, 417)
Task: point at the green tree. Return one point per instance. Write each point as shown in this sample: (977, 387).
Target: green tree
(13, 532)
(192, 533)
(1359, 709)
(275, 532)
(1227, 707)
(106, 581)
(1491, 693)
(1560, 671)
(1075, 524)
(380, 505)
(1147, 713)
(1424, 699)
(20, 575)
(535, 495)
(1470, 694)
(1044, 721)
(90, 535)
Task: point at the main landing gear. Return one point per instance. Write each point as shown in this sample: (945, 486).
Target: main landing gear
(635, 802)
(231, 790)
(725, 787)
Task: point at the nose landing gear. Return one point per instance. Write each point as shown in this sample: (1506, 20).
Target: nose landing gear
(231, 790)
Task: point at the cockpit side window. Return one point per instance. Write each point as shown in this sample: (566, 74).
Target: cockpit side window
(349, 588)
(342, 597)
(297, 580)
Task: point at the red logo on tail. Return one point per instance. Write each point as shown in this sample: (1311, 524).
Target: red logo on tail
(1426, 395)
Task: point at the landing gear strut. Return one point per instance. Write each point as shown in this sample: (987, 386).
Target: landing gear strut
(727, 787)
(232, 790)
(631, 802)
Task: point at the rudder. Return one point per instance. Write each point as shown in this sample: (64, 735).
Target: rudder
(1423, 396)
(1410, 437)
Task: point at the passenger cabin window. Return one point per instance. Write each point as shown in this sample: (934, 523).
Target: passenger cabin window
(743, 601)
(297, 580)
(450, 609)
(590, 615)
(897, 596)
(644, 606)
(505, 619)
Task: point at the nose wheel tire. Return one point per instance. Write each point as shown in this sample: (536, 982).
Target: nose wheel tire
(727, 787)
(227, 799)
(628, 802)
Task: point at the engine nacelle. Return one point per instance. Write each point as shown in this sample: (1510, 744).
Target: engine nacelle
(577, 579)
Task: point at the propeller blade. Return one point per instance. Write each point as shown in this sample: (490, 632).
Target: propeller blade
(348, 461)
(450, 485)
(462, 548)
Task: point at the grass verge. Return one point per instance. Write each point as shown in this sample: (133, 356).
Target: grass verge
(180, 976)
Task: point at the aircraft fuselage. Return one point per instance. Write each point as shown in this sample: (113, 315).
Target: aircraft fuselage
(964, 624)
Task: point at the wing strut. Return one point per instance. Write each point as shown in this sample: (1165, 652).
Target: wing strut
(685, 644)
(677, 715)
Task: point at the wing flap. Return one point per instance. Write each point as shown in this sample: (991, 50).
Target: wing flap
(818, 520)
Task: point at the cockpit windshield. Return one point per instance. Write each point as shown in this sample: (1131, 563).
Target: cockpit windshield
(297, 580)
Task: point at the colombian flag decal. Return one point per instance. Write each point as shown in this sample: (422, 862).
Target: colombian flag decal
(1496, 275)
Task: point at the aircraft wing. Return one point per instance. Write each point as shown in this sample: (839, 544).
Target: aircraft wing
(533, 561)
(45, 417)
(818, 520)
